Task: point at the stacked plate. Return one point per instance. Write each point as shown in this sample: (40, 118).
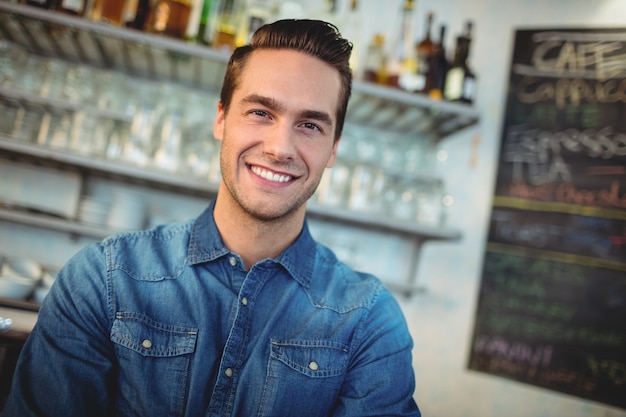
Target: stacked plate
(94, 211)
(18, 277)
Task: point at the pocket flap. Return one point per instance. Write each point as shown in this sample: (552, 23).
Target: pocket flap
(314, 358)
(151, 338)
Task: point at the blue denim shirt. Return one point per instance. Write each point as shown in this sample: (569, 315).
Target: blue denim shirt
(167, 322)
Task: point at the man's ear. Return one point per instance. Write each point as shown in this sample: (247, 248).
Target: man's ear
(218, 123)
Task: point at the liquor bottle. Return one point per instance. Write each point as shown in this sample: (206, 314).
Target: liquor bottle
(73, 7)
(204, 30)
(129, 12)
(180, 12)
(351, 30)
(193, 22)
(401, 63)
(141, 15)
(109, 11)
(461, 80)
(169, 18)
(253, 16)
(439, 67)
(425, 50)
(44, 4)
(227, 24)
(374, 67)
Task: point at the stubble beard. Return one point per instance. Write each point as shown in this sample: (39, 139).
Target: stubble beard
(260, 211)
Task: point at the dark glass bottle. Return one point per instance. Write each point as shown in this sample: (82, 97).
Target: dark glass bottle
(400, 71)
(461, 81)
(44, 4)
(439, 66)
(374, 68)
(141, 15)
(425, 50)
(204, 31)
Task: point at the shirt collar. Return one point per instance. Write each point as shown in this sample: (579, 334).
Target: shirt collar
(205, 245)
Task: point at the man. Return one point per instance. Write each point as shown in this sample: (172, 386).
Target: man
(238, 312)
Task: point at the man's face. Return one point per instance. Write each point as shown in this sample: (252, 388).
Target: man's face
(278, 135)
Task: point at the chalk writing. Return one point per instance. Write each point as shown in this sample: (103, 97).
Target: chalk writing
(614, 370)
(577, 54)
(613, 196)
(515, 351)
(509, 228)
(552, 299)
(553, 310)
(561, 92)
(536, 154)
(504, 267)
(567, 378)
(542, 330)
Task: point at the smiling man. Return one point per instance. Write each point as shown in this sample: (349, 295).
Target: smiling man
(238, 312)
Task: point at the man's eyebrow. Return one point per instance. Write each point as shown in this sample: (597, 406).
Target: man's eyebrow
(268, 102)
(320, 116)
(272, 104)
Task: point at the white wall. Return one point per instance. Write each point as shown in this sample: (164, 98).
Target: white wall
(441, 320)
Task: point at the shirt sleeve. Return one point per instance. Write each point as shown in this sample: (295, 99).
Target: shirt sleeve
(380, 381)
(66, 367)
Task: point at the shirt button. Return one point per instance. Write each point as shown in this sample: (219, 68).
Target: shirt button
(146, 343)
(313, 366)
(232, 261)
(244, 301)
(228, 372)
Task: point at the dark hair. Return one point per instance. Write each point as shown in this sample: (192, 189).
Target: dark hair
(313, 37)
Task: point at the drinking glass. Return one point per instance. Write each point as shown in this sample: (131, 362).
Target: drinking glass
(197, 149)
(360, 183)
(29, 122)
(167, 154)
(405, 205)
(12, 59)
(60, 128)
(31, 74)
(53, 85)
(117, 139)
(430, 201)
(79, 86)
(9, 110)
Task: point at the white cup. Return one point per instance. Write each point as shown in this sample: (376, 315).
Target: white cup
(21, 268)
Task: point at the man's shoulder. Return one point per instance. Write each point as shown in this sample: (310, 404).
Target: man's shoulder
(171, 233)
(344, 287)
(161, 244)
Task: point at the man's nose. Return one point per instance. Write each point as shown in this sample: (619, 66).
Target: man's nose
(280, 142)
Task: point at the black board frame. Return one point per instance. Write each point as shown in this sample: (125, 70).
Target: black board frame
(551, 308)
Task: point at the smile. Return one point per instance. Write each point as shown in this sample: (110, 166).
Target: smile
(269, 175)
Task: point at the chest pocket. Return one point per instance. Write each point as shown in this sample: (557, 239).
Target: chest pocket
(315, 359)
(304, 373)
(153, 360)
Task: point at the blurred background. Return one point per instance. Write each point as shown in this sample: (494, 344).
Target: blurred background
(106, 114)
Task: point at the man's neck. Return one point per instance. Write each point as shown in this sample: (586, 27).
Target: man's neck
(249, 237)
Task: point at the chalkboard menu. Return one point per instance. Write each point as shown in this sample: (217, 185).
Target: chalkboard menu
(551, 310)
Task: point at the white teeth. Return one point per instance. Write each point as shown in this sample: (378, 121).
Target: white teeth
(268, 175)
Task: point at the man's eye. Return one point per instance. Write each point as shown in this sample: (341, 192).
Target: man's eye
(260, 113)
(309, 125)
